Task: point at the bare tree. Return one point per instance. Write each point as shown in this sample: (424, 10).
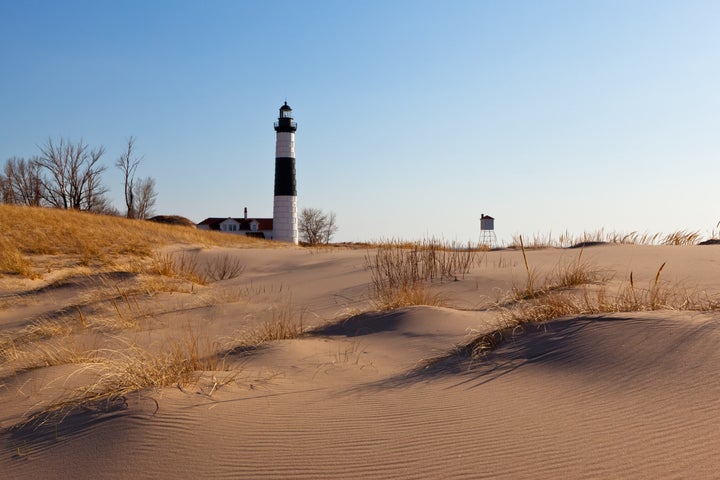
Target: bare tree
(99, 203)
(140, 194)
(316, 227)
(22, 182)
(73, 175)
(145, 197)
(127, 165)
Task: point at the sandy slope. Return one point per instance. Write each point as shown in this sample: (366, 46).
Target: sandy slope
(628, 395)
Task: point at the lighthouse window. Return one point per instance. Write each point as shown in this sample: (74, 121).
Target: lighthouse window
(286, 114)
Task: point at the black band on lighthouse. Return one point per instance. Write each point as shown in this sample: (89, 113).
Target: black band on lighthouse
(285, 177)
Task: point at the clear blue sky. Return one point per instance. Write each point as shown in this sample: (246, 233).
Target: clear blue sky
(414, 117)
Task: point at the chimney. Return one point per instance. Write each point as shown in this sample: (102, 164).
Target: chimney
(245, 213)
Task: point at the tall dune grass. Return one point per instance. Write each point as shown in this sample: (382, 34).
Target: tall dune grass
(549, 304)
(566, 239)
(400, 271)
(287, 322)
(566, 274)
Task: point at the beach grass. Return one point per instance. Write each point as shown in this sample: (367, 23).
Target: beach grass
(401, 272)
(87, 239)
(98, 334)
(602, 236)
(117, 266)
(587, 297)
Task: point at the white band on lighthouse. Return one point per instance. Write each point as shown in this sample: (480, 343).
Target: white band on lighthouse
(285, 145)
(285, 225)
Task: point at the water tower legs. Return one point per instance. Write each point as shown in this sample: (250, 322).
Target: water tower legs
(488, 237)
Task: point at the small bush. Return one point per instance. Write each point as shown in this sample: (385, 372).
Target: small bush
(224, 268)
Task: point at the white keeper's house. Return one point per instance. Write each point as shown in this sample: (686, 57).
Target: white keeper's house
(251, 227)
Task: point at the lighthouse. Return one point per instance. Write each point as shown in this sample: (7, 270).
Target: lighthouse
(285, 220)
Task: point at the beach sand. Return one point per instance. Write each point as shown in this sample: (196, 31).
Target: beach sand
(616, 395)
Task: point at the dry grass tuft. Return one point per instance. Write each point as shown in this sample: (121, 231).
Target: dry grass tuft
(574, 273)
(428, 260)
(118, 372)
(286, 324)
(399, 271)
(397, 297)
(186, 265)
(116, 367)
(565, 275)
(178, 265)
(682, 237)
(551, 304)
(225, 267)
(566, 239)
(11, 343)
(51, 352)
(12, 261)
(627, 298)
(177, 363)
(127, 313)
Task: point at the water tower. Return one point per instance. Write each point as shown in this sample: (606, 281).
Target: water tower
(487, 231)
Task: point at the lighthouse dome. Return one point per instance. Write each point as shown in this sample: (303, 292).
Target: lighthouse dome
(285, 123)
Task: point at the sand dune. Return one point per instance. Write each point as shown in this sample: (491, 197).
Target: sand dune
(621, 395)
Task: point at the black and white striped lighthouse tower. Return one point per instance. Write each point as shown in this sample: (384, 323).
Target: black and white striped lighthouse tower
(285, 222)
